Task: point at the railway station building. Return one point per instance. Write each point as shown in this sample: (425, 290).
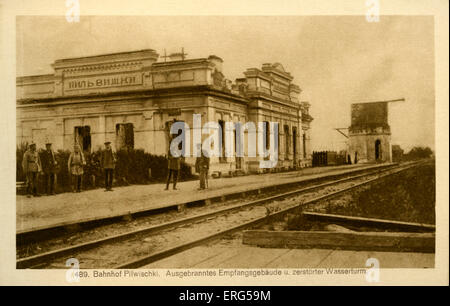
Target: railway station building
(132, 98)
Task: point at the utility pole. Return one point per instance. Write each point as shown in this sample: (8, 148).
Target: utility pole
(183, 54)
(165, 55)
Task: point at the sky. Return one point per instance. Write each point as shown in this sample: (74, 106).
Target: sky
(336, 60)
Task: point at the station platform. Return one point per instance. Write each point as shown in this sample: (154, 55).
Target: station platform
(69, 208)
(249, 257)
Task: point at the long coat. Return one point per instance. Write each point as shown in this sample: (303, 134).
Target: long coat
(174, 162)
(48, 162)
(108, 159)
(201, 164)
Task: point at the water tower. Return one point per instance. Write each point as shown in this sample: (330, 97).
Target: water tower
(369, 133)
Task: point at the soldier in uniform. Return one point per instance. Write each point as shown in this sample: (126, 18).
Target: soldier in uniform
(174, 165)
(49, 164)
(202, 167)
(31, 165)
(108, 163)
(75, 163)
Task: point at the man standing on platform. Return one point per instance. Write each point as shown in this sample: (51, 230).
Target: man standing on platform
(174, 165)
(31, 165)
(75, 164)
(49, 168)
(108, 163)
(202, 168)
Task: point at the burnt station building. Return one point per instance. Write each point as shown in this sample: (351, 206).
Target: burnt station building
(131, 99)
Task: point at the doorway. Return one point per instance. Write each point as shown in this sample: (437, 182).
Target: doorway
(294, 144)
(237, 158)
(304, 145)
(377, 149)
(82, 137)
(286, 143)
(170, 137)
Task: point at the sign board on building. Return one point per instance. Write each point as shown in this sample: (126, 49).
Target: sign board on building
(173, 111)
(103, 81)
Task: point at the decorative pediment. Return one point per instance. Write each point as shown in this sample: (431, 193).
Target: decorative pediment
(114, 62)
(279, 67)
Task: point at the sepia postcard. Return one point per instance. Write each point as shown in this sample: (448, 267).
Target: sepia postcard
(211, 143)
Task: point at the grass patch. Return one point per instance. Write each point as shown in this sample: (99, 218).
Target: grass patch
(408, 196)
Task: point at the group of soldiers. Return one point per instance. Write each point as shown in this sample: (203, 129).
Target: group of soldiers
(33, 164)
(45, 163)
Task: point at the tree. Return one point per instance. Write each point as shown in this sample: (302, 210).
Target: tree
(419, 153)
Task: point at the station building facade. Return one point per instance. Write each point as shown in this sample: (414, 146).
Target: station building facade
(131, 99)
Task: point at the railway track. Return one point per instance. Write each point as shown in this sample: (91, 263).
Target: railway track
(29, 241)
(32, 235)
(150, 240)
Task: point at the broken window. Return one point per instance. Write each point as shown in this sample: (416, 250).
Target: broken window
(82, 137)
(267, 134)
(222, 157)
(124, 136)
(278, 141)
(179, 132)
(304, 145)
(286, 141)
(170, 136)
(377, 149)
(238, 159)
(294, 142)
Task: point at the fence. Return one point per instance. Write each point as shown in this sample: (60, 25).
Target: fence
(328, 158)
